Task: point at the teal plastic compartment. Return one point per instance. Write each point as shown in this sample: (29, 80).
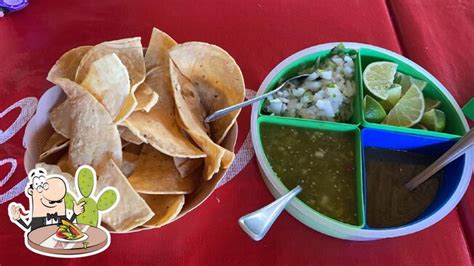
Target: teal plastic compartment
(390, 137)
(327, 127)
(454, 125)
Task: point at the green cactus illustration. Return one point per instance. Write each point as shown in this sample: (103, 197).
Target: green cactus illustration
(106, 199)
(90, 215)
(86, 181)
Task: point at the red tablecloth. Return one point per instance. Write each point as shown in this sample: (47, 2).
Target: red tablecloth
(426, 30)
(258, 34)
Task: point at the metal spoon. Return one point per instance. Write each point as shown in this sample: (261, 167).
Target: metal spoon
(224, 111)
(458, 149)
(257, 223)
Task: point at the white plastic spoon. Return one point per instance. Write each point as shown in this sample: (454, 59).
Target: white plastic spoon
(257, 223)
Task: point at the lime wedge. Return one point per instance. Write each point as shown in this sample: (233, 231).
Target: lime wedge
(403, 80)
(431, 104)
(418, 82)
(373, 111)
(398, 78)
(409, 109)
(406, 81)
(378, 77)
(394, 94)
(434, 120)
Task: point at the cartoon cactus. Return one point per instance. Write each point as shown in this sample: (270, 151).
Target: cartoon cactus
(86, 181)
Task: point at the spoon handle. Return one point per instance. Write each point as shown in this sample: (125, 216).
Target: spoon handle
(231, 108)
(257, 223)
(458, 149)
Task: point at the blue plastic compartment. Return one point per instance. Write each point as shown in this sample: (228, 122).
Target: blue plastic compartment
(434, 146)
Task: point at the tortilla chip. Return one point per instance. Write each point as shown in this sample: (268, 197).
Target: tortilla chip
(192, 115)
(146, 98)
(186, 166)
(60, 116)
(135, 149)
(108, 81)
(67, 64)
(128, 107)
(60, 119)
(54, 140)
(128, 135)
(131, 210)
(159, 127)
(94, 137)
(157, 53)
(165, 207)
(63, 164)
(130, 52)
(227, 159)
(129, 163)
(156, 174)
(217, 79)
(54, 144)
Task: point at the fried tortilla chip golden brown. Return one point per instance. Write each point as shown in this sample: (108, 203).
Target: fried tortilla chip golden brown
(159, 127)
(54, 144)
(187, 166)
(192, 115)
(217, 78)
(146, 98)
(67, 64)
(94, 138)
(157, 174)
(165, 207)
(128, 135)
(133, 148)
(108, 81)
(60, 119)
(63, 164)
(131, 211)
(129, 163)
(157, 53)
(130, 52)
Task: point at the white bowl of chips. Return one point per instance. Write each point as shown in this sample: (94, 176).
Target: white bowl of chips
(139, 122)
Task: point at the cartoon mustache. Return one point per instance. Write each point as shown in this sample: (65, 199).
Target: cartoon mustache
(55, 201)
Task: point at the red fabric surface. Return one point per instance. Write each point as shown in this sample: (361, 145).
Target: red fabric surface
(427, 31)
(258, 34)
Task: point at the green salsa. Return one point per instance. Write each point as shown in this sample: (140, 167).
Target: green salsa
(321, 162)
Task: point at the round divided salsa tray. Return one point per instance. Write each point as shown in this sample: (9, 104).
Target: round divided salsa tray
(453, 181)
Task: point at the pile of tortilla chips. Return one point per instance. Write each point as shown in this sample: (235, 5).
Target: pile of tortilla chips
(137, 117)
